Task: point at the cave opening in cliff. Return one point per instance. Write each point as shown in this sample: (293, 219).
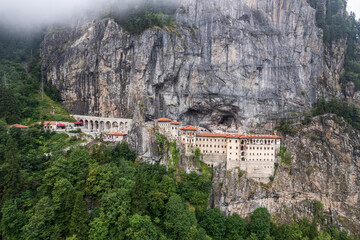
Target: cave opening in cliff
(227, 120)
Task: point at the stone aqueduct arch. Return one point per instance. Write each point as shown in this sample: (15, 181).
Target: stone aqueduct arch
(105, 124)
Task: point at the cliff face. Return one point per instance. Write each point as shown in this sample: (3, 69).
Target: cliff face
(324, 166)
(227, 61)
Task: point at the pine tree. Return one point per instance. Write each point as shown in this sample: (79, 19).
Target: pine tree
(260, 223)
(79, 218)
(138, 196)
(12, 177)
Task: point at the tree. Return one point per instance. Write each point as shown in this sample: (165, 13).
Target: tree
(141, 228)
(213, 221)
(114, 204)
(323, 236)
(288, 232)
(235, 227)
(260, 223)
(122, 151)
(178, 219)
(156, 203)
(12, 180)
(138, 195)
(9, 105)
(99, 228)
(40, 225)
(62, 194)
(12, 220)
(252, 237)
(79, 218)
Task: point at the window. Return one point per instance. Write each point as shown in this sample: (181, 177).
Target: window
(229, 140)
(235, 141)
(230, 147)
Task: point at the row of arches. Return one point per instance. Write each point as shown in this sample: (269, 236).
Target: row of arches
(96, 125)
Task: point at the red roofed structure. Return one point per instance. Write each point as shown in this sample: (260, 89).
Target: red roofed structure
(189, 128)
(164, 120)
(212, 135)
(240, 136)
(50, 123)
(175, 123)
(18, 126)
(116, 134)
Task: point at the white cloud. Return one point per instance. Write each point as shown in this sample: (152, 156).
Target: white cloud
(29, 14)
(354, 6)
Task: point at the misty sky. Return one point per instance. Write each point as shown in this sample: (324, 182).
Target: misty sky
(27, 14)
(35, 13)
(354, 6)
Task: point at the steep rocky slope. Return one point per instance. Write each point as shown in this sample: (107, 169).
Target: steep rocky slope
(227, 61)
(325, 166)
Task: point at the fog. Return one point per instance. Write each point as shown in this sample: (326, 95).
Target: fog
(354, 6)
(35, 14)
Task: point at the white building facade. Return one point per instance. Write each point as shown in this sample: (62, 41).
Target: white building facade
(255, 154)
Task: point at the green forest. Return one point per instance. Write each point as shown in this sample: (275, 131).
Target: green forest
(107, 193)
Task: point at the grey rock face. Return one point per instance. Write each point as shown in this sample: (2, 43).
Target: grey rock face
(324, 166)
(234, 62)
(226, 61)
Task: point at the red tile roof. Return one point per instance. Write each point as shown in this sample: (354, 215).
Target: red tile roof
(240, 136)
(164, 120)
(189, 128)
(116, 134)
(18, 126)
(263, 136)
(175, 123)
(212, 135)
(61, 125)
(49, 123)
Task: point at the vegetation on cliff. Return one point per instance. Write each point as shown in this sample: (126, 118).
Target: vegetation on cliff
(337, 24)
(106, 193)
(21, 99)
(140, 18)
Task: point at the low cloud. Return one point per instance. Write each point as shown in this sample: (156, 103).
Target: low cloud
(34, 14)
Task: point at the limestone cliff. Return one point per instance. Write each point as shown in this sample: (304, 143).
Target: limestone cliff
(240, 63)
(225, 61)
(324, 166)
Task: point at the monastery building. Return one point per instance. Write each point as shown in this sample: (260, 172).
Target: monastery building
(255, 154)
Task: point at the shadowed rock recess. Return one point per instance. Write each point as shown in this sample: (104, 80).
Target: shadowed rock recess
(239, 63)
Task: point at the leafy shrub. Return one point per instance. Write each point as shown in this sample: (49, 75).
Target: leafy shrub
(285, 126)
(285, 156)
